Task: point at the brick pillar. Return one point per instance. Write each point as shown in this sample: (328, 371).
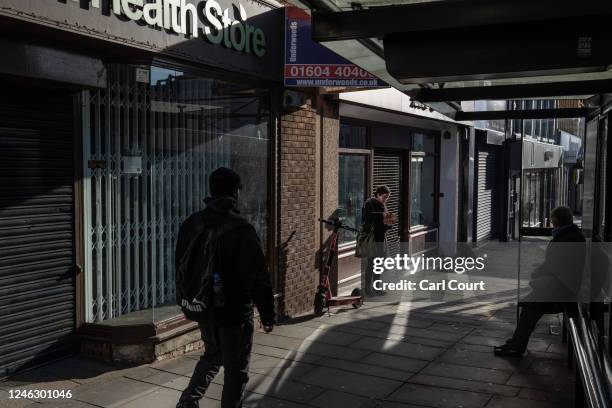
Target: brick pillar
(297, 268)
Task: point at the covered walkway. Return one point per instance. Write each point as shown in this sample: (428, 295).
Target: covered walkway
(383, 355)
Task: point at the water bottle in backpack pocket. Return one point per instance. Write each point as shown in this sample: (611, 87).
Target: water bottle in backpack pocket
(218, 294)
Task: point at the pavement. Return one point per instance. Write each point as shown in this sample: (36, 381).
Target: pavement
(383, 355)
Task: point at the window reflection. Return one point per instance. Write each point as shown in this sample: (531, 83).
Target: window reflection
(351, 193)
(422, 180)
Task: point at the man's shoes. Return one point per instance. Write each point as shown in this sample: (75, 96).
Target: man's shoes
(507, 350)
(187, 404)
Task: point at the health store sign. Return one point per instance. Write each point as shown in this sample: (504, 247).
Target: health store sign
(309, 64)
(206, 19)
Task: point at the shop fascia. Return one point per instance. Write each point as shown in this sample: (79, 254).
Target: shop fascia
(183, 17)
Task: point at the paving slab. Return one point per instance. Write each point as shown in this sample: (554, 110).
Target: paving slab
(438, 397)
(160, 398)
(317, 334)
(285, 389)
(336, 399)
(453, 328)
(180, 365)
(558, 383)
(347, 353)
(428, 333)
(534, 344)
(371, 369)
(432, 342)
(166, 379)
(353, 383)
(273, 340)
(465, 385)
(113, 393)
(403, 349)
(473, 347)
(483, 360)
(548, 356)
(395, 362)
(284, 353)
(368, 333)
(515, 402)
(550, 367)
(561, 398)
(262, 401)
(278, 367)
(467, 373)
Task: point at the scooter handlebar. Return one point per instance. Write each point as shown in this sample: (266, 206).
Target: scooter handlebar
(338, 224)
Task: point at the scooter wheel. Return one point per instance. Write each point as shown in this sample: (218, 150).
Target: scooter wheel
(358, 303)
(319, 303)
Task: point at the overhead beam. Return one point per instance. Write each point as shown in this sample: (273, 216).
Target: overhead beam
(377, 22)
(489, 53)
(542, 90)
(526, 114)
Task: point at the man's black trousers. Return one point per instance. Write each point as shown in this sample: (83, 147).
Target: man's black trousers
(531, 313)
(227, 345)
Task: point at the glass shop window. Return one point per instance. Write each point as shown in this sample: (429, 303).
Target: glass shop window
(351, 193)
(155, 135)
(422, 179)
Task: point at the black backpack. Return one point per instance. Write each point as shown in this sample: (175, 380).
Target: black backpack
(194, 274)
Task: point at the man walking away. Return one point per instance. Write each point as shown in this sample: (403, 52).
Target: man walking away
(221, 273)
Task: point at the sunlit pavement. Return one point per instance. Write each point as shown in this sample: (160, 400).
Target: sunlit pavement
(382, 355)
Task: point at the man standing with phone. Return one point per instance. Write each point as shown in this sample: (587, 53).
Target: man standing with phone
(377, 218)
(221, 244)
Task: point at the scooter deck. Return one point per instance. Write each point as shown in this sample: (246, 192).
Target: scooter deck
(343, 300)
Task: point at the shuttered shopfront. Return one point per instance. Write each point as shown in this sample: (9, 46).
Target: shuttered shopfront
(37, 292)
(487, 194)
(388, 172)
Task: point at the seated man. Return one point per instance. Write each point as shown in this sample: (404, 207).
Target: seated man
(554, 284)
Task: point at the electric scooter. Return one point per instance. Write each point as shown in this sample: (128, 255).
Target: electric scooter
(323, 297)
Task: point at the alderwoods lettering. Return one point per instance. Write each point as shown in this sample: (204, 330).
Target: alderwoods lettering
(192, 20)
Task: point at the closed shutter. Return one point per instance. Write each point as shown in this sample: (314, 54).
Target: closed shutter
(388, 172)
(37, 294)
(486, 198)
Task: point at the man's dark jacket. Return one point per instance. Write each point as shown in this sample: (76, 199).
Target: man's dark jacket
(559, 277)
(240, 261)
(372, 216)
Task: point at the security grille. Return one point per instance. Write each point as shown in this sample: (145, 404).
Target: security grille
(148, 150)
(486, 195)
(388, 171)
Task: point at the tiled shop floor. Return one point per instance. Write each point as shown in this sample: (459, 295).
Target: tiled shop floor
(382, 355)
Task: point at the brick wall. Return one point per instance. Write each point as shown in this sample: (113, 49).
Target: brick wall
(297, 269)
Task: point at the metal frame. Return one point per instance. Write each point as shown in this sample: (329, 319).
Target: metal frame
(557, 113)
(541, 90)
(375, 22)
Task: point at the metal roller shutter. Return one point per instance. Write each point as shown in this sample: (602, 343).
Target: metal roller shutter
(486, 199)
(37, 294)
(388, 172)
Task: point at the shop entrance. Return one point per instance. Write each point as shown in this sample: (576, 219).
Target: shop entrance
(37, 276)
